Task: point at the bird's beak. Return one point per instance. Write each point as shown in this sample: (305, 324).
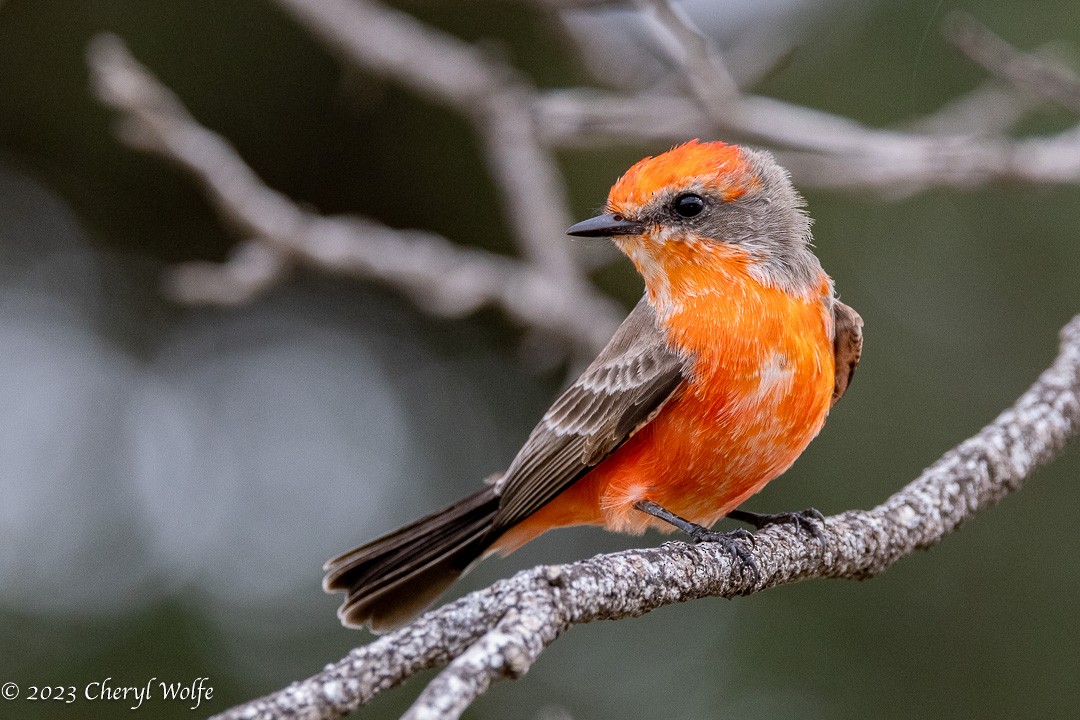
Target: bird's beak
(606, 225)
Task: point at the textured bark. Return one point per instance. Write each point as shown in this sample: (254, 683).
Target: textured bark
(500, 631)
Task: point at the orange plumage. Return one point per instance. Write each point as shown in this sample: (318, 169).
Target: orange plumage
(713, 386)
(762, 381)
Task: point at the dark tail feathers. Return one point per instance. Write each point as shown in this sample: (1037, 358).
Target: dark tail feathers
(391, 579)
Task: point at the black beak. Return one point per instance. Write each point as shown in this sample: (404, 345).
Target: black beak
(606, 225)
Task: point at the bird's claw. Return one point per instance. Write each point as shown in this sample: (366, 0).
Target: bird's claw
(810, 520)
(732, 543)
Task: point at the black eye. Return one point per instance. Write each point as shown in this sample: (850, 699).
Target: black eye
(688, 205)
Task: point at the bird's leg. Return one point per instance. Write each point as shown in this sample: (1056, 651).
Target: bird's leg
(810, 520)
(729, 541)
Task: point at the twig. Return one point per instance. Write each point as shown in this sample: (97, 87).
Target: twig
(443, 278)
(492, 94)
(519, 125)
(708, 76)
(887, 161)
(579, 4)
(252, 268)
(500, 631)
(506, 651)
(990, 109)
(1041, 76)
(822, 149)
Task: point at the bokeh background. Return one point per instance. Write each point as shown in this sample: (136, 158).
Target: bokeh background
(172, 477)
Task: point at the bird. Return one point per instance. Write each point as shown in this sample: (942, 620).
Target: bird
(712, 386)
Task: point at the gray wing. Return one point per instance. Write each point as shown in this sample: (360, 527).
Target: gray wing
(847, 346)
(620, 391)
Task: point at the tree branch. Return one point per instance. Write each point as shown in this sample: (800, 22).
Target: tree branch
(1042, 77)
(519, 126)
(822, 149)
(492, 94)
(443, 278)
(499, 632)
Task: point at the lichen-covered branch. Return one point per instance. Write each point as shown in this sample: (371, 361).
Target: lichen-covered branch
(499, 632)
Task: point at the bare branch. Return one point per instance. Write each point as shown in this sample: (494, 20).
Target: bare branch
(822, 149)
(500, 631)
(444, 278)
(518, 124)
(1041, 76)
(579, 4)
(948, 161)
(990, 109)
(896, 163)
(848, 156)
(506, 651)
(708, 77)
(253, 267)
(492, 94)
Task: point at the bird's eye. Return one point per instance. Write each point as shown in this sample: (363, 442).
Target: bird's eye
(688, 205)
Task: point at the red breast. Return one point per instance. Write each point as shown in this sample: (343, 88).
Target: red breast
(759, 392)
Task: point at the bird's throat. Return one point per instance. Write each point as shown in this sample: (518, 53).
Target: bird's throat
(677, 269)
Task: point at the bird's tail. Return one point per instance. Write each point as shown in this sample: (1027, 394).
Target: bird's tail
(391, 579)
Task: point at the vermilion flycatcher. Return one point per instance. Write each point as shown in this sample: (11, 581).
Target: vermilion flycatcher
(713, 385)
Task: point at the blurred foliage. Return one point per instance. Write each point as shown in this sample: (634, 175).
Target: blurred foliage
(962, 293)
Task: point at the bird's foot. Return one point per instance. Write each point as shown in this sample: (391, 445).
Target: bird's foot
(810, 520)
(733, 542)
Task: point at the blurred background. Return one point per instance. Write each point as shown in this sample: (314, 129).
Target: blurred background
(173, 475)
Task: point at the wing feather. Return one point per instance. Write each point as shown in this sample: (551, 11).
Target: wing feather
(620, 391)
(847, 346)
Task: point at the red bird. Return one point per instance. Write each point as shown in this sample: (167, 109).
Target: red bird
(713, 385)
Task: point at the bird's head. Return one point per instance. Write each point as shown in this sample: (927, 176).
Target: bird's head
(707, 205)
